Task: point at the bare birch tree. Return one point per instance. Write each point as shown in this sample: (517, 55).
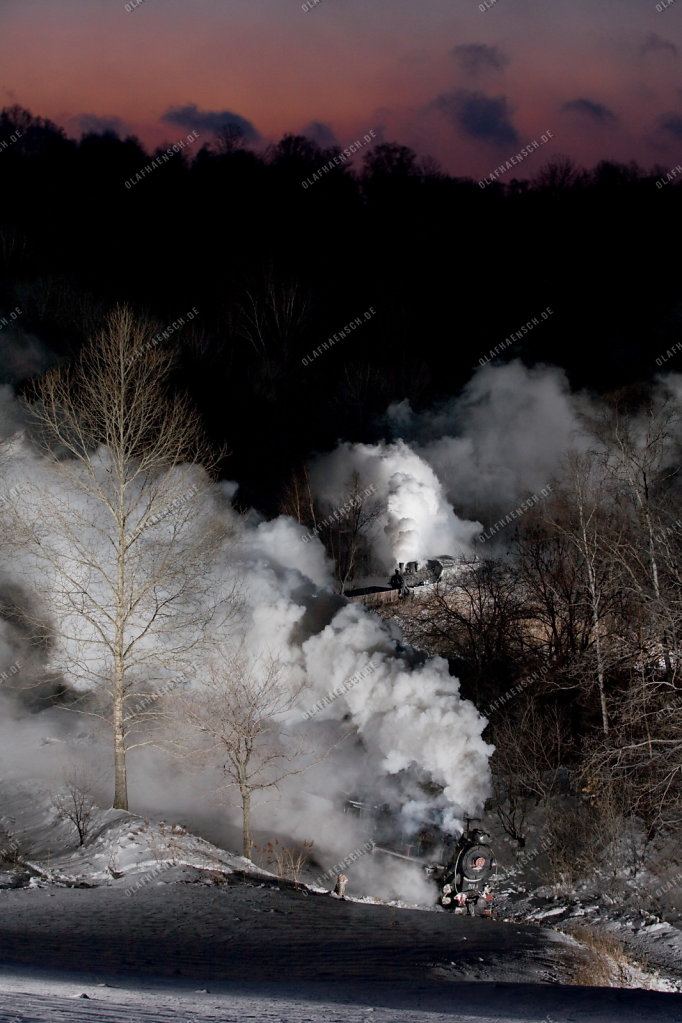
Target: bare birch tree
(122, 534)
(346, 537)
(644, 460)
(239, 711)
(587, 524)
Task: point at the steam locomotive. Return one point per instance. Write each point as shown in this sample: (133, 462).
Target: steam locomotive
(465, 868)
(414, 579)
(465, 881)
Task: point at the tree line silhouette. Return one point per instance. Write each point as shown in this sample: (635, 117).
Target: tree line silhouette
(275, 270)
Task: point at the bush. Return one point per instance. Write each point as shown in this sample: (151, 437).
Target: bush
(285, 861)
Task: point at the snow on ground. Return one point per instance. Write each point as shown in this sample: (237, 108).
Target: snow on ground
(41, 996)
(633, 895)
(653, 945)
(119, 844)
(149, 922)
(255, 948)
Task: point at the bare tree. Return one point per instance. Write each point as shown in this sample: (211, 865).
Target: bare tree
(588, 523)
(345, 537)
(343, 528)
(123, 536)
(532, 747)
(239, 712)
(550, 577)
(272, 316)
(478, 618)
(298, 501)
(76, 803)
(287, 861)
(644, 454)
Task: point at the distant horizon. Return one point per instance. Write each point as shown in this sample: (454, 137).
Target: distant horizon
(514, 168)
(470, 89)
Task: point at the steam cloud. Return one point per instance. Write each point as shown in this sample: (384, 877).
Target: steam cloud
(401, 726)
(415, 519)
(503, 437)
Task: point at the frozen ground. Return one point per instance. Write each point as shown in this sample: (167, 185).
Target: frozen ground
(40, 998)
(180, 926)
(184, 947)
(655, 943)
(149, 922)
(638, 901)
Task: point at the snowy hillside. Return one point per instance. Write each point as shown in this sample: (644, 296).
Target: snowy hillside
(147, 919)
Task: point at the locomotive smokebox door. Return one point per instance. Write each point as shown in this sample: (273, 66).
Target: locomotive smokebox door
(464, 883)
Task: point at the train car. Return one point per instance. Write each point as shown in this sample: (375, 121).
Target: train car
(413, 579)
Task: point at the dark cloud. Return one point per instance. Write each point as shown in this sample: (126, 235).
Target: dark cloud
(318, 131)
(480, 117)
(476, 58)
(87, 123)
(210, 121)
(672, 123)
(655, 44)
(590, 108)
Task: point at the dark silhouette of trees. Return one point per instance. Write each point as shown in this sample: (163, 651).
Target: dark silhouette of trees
(451, 268)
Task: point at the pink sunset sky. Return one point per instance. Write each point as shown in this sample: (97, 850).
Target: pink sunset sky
(465, 85)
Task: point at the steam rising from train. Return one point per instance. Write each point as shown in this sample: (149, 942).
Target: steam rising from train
(394, 720)
(400, 728)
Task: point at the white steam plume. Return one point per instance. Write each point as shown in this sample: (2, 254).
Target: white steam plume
(403, 724)
(415, 520)
(502, 438)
